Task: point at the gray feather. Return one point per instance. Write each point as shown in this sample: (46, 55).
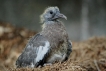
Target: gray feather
(30, 52)
(69, 50)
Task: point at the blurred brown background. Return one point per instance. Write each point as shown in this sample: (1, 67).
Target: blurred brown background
(86, 18)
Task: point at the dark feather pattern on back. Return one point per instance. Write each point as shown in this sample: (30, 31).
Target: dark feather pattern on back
(30, 52)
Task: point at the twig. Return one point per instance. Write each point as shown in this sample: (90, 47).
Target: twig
(97, 65)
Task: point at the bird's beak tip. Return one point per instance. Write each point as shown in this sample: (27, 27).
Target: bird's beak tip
(63, 16)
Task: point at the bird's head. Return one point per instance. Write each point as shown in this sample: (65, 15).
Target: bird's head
(52, 14)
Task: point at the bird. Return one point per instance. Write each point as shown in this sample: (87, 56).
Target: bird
(50, 45)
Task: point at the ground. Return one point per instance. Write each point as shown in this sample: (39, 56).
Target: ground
(89, 55)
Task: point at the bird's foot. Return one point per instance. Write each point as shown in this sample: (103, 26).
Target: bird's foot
(47, 64)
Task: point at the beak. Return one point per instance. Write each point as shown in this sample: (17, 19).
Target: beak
(59, 15)
(62, 16)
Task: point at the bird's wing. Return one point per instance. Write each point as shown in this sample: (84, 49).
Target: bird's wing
(69, 49)
(34, 53)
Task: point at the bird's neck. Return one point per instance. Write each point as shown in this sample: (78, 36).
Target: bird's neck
(48, 23)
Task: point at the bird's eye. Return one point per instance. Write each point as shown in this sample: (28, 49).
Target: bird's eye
(51, 12)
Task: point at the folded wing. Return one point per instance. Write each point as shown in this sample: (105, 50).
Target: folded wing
(34, 53)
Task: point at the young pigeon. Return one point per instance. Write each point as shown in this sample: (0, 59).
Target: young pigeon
(50, 45)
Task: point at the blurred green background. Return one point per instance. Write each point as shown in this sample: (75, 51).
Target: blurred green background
(86, 18)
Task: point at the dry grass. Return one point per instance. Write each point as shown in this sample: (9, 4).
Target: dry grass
(89, 55)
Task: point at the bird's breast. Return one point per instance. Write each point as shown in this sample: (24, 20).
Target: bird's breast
(55, 33)
(57, 36)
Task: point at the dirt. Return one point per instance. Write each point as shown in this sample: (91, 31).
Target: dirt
(89, 55)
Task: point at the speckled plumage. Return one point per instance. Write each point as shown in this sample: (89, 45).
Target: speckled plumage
(50, 45)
